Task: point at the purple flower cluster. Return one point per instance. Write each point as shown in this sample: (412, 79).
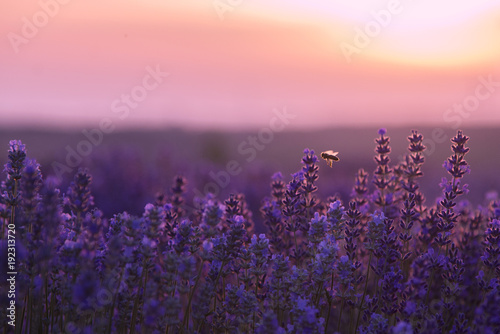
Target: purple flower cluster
(382, 262)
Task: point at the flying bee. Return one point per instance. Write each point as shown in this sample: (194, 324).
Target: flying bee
(330, 157)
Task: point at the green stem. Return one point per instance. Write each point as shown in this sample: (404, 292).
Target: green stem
(46, 299)
(295, 240)
(52, 303)
(278, 306)
(30, 307)
(256, 291)
(175, 283)
(136, 302)
(351, 318)
(110, 321)
(329, 310)
(215, 284)
(377, 292)
(364, 292)
(19, 329)
(340, 316)
(429, 287)
(141, 319)
(317, 295)
(185, 321)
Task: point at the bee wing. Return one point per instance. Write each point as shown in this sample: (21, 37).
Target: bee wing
(330, 156)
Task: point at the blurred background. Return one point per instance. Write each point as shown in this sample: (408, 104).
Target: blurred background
(139, 91)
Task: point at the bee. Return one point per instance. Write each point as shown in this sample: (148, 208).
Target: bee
(330, 157)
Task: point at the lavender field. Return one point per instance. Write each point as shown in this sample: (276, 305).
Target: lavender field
(209, 234)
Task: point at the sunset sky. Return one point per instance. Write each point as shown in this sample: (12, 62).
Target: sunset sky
(230, 69)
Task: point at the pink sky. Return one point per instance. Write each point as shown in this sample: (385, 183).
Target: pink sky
(232, 73)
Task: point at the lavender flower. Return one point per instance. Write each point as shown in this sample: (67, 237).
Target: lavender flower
(178, 190)
(378, 324)
(310, 172)
(30, 187)
(269, 324)
(278, 187)
(336, 219)
(305, 318)
(211, 218)
(382, 174)
(376, 230)
(360, 190)
(13, 168)
(291, 208)
(78, 197)
(317, 229)
(456, 167)
(384, 264)
(492, 246)
(17, 155)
